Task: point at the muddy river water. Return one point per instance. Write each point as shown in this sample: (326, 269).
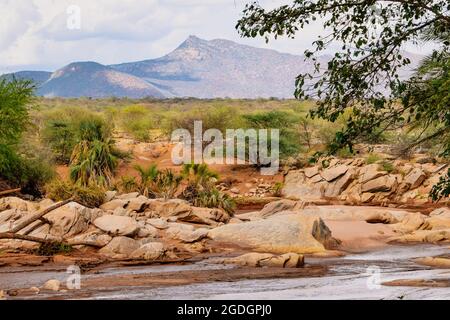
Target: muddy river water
(356, 276)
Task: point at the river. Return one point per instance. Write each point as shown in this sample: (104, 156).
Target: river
(356, 276)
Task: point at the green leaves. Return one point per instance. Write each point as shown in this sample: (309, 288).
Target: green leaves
(442, 188)
(363, 76)
(94, 158)
(15, 97)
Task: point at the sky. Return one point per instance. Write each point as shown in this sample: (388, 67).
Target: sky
(49, 34)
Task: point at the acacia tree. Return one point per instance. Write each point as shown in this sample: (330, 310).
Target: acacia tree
(363, 75)
(15, 96)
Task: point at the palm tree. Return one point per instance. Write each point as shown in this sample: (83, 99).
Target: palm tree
(94, 158)
(199, 178)
(148, 177)
(167, 184)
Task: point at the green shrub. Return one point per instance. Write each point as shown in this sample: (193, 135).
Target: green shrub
(344, 153)
(372, 158)
(199, 178)
(213, 198)
(128, 184)
(64, 127)
(216, 117)
(277, 189)
(157, 184)
(285, 122)
(387, 166)
(31, 174)
(95, 157)
(25, 169)
(137, 121)
(37, 172)
(51, 248)
(89, 196)
(147, 179)
(167, 184)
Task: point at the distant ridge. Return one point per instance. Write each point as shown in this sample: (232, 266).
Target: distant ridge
(196, 68)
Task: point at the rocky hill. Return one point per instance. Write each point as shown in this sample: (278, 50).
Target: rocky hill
(354, 182)
(196, 68)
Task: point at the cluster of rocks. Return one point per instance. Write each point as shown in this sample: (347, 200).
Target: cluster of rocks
(256, 188)
(127, 226)
(355, 183)
(134, 227)
(406, 227)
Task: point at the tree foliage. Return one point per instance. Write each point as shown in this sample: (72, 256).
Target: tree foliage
(364, 73)
(14, 99)
(95, 157)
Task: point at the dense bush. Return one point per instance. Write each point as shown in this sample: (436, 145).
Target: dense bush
(90, 196)
(136, 120)
(216, 117)
(95, 157)
(285, 122)
(64, 127)
(19, 165)
(157, 184)
(213, 198)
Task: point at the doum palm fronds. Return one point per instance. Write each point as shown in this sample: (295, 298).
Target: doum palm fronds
(199, 174)
(93, 162)
(147, 178)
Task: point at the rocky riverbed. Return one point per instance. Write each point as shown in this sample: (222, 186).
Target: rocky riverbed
(135, 247)
(352, 277)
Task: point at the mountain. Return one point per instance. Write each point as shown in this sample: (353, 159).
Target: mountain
(38, 77)
(220, 68)
(91, 79)
(197, 68)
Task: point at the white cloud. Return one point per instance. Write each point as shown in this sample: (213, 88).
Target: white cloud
(34, 33)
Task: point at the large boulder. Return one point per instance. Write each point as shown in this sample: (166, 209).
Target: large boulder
(207, 216)
(278, 234)
(157, 208)
(120, 247)
(436, 262)
(280, 205)
(147, 231)
(115, 204)
(427, 236)
(149, 251)
(441, 212)
(94, 236)
(382, 217)
(338, 186)
(371, 172)
(158, 223)
(10, 217)
(52, 285)
(117, 225)
(410, 223)
(253, 259)
(414, 179)
(381, 184)
(333, 173)
(69, 220)
(138, 204)
(17, 203)
(311, 172)
(297, 186)
(186, 233)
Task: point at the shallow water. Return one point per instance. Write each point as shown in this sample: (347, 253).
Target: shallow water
(352, 277)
